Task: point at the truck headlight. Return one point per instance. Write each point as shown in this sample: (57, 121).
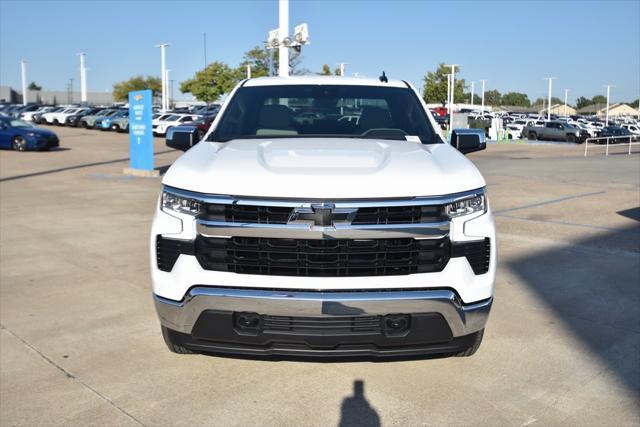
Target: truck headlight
(466, 206)
(180, 204)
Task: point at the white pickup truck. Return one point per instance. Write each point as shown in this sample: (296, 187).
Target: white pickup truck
(368, 238)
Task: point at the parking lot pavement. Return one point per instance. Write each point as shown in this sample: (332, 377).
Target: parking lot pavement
(80, 343)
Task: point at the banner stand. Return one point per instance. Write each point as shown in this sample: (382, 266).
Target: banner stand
(141, 135)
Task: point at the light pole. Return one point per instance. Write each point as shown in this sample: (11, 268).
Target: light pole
(83, 79)
(606, 120)
(549, 102)
(448, 93)
(566, 93)
(283, 35)
(166, 85)
(163, 74)
(342, 64)
(453, 89)
(483, 82)
(23, 70)
(472, 87)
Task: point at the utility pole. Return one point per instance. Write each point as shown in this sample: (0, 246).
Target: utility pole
(566, 93)
(171, 91)
(472, 87)
(283, 35)
(163, 75)
(83, 79)
(606, 120)
(483, 82)
(248, 71)
(23, 69)
(549, 96)
(453, 89)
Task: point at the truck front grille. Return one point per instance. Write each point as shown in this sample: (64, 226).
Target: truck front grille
(322, 258)
(364, 216)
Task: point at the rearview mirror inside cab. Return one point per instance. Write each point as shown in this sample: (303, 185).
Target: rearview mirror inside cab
(468, 140)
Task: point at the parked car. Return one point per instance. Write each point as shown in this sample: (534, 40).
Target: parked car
(120, 124)
(37, 117)
(280, 239)
(107, 122)
(60, 117)
(617, 134)
(88, 122)
(74, 120)
(634, 129)
(556, 131)
(22, 136)
(28, 115)
(161, 124)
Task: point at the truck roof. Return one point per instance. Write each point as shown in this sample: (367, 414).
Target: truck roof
(321, 80)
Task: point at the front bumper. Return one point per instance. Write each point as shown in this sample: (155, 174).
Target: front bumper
(313, 323)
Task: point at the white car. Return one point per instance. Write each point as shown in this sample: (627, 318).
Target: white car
(165, 122)
(634, 129)
(272, 237)
(60, 117)
(28, 116)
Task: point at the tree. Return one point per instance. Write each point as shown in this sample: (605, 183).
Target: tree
(516, 99)
(599, 99)
(121, 90)
(326, 70)
(492, 97)
(582, 102)
(214, 81)
(556, 101)
(34, 86)
(260, 59)
(435, 86)
(634, 104)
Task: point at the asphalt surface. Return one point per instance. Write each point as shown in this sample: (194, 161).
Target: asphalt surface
(80, 343)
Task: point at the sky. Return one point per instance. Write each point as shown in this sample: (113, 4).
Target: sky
(511, 44)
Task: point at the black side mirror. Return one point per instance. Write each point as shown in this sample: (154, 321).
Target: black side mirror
(183, 138)
(468, 140)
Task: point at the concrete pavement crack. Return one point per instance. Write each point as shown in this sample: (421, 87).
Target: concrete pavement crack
(70, 375)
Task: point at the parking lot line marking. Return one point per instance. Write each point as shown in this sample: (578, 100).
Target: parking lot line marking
(64, 169)
(548, 202)
(70, 375)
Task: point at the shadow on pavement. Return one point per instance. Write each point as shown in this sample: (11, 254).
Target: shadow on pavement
(594, 288)
(356, 410)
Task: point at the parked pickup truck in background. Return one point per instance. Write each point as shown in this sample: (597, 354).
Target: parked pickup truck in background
(555, 131)
(332, 238)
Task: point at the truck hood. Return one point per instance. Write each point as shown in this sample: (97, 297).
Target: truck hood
(317, 168)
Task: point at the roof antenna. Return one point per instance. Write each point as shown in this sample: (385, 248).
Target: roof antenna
(383, 78)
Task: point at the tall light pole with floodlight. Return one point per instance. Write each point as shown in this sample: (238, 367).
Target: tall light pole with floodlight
(83, 78)
(566, 94)
(453, 89)
(472, 87)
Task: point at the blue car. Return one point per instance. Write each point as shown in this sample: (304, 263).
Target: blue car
(105, 123)
(22, 136)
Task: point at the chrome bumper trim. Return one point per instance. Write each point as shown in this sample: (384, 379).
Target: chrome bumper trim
(434, 230)
(339, 203)
(462, 319)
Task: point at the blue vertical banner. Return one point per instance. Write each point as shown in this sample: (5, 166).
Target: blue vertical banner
(140, 130)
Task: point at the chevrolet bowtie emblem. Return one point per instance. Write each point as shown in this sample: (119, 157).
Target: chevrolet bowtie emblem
(322, 215)
(137, 97)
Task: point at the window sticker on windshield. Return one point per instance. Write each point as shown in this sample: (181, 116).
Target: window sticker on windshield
(413, 138)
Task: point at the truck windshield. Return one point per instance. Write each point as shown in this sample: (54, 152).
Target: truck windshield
(325, 111)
